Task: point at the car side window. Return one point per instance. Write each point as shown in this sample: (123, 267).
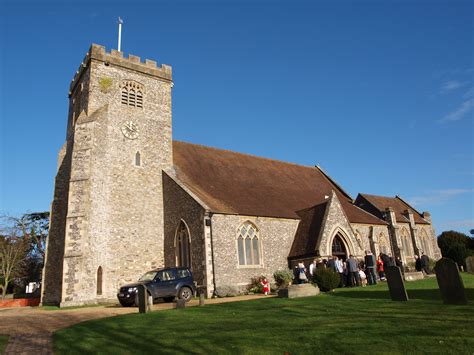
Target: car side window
(166, 275)
(183, 273)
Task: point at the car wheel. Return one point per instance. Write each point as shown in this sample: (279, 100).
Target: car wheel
(185, 294)
(168, 299)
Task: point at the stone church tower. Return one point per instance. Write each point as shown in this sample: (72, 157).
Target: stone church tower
(107, 213)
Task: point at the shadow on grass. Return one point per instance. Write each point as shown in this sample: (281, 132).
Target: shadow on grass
(423, 294)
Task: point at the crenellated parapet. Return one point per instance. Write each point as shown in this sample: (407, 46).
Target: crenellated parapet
(116, 58)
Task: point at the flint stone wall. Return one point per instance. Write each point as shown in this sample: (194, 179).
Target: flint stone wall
(115, 208)
(276, 236)
(180, 206)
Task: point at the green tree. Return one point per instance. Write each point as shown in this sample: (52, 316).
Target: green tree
(455, 245)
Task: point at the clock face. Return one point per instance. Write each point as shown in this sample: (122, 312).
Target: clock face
(130, 130)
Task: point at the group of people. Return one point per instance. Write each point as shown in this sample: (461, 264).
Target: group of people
(354, 272)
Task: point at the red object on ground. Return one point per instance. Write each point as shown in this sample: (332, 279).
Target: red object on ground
(20, 302)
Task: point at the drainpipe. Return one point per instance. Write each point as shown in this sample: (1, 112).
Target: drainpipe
(209, 224)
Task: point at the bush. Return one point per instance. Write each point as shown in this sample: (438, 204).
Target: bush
(326, 279)
(283, 277)
(227, 291)
(255, 286)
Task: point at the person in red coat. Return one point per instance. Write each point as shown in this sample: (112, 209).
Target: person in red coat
(380, 268)
(265, 286)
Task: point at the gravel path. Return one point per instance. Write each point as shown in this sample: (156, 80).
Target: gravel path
(30, 328)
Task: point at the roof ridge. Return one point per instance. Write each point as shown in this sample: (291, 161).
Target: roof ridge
(410, 206)
(246, 154)
(370, 214)
(333, 182)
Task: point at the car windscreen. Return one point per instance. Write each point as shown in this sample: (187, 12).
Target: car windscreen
(150, 275)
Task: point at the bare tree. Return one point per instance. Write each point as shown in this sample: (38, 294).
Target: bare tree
(13, 251)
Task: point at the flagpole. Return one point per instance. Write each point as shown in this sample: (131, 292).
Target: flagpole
(119, 33)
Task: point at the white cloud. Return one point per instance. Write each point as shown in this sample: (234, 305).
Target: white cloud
(464, 109)
(437, 197)
(451, 85)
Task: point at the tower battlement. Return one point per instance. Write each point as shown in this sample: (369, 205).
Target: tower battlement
(116, 58)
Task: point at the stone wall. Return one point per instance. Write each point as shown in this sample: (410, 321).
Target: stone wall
(115, 208)
(276, 236)
(52, 271)
(180, 206)
(335, 221)
(427, 232)
(372, 237)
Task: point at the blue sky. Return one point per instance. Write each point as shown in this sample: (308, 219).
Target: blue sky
(380, 94)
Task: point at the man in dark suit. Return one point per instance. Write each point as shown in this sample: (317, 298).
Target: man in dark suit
(425, 263)
(331, 264)
(369, 260)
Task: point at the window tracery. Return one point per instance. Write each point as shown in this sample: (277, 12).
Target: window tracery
(248, 245)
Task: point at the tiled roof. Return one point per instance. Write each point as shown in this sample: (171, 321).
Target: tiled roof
(235, 183)
(396, 203)
(306, 237)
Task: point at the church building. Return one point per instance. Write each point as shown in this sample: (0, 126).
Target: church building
(129, 199)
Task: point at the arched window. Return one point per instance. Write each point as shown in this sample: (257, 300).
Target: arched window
(99, 281)
(406, 243)
(425, 242)
(383, 244)
(248, 245)
(132, 94)
(137, 159)
(338, 248)
(183, 256)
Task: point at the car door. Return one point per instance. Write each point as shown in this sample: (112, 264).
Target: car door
(165, 283)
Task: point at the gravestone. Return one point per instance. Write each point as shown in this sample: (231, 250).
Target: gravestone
(450, 282)
(414, 275)
(301, 290)
(143, 301)
(395, 283)
(470, 264)
(180, 303)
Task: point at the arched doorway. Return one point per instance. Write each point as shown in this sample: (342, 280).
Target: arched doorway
(338, 248)
(182, 246)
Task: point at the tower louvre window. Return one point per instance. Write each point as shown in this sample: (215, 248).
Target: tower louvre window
(132, 94)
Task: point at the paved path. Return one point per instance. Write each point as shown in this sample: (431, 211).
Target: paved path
(30, 329)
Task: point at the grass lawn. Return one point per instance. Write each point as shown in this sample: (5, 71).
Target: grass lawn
(3, 343)
(357, 320)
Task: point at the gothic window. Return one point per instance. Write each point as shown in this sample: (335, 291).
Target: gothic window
(137, 159)
(183, 257)
(383, 244)
(99, 281)
(132, 94)
(406, 243)
(425, 243)
(248, 245)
